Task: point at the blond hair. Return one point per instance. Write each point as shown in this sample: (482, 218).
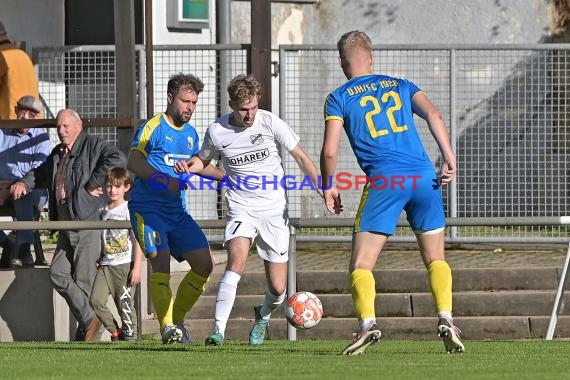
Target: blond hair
(243, 88)
(354, 41)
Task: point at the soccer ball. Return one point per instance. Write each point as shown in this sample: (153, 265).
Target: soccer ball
(304, 310)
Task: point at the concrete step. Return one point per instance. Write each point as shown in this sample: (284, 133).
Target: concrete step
(493, 303)
(466, 304)
(416, 328)
(415, 280)
(400, 281)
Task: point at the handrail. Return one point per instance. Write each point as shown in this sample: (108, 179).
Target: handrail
(456, 221)
(313, 223)
(87, 224)
(297, 223)
(87, 122)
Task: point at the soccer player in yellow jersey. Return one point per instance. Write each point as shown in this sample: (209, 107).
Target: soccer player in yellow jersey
(376, 112)
(158, 208)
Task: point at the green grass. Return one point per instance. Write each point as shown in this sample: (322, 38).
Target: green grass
(528, 359)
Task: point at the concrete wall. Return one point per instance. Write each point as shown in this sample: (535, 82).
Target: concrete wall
(387, 22)
(27, 303)
(31, 310)
(163, 36)
(37, 22)
(402, 21)
(41, 22)
(399, 22)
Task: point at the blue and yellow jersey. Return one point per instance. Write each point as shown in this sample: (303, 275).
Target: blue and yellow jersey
(376, 112)
(163, 144)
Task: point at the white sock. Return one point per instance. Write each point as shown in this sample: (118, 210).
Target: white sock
(366, 323)
(445, 314)
(270, 303)
(225, 300)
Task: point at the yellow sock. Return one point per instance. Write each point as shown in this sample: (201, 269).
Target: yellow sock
(440, 282)
(161, 298)
(363, 287)
(190, 289)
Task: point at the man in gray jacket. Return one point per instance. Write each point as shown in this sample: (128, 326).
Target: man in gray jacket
(74, 173)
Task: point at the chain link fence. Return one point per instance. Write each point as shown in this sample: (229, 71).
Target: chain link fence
(506, 107)
(83, 78)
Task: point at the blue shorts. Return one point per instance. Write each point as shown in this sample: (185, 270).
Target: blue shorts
(175, 232)
(386, 196)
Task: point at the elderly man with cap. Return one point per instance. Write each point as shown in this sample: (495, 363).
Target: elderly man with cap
(17, 76)
(21, 150)
(74, 173)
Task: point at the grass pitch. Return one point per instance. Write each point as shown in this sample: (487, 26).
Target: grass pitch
(528, 359)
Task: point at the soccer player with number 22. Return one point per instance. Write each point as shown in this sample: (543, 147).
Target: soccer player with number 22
(376, 113)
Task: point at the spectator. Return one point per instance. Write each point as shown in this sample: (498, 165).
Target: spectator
(119, 268)
(74, 173)
(17, 76)
(22, 150)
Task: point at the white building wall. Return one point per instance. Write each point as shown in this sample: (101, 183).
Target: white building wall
(163, 36)
(402, 21)
(389, 21)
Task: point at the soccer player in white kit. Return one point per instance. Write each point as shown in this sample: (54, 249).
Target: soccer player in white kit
(247, 141)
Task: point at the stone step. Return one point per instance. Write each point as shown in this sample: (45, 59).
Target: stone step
(501, 303)
(489, 303)
(414, 280)
(400, 281)
(416, 328)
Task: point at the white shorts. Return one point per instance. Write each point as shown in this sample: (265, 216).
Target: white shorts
(269, 230)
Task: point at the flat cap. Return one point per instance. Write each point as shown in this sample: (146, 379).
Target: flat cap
(29, 102)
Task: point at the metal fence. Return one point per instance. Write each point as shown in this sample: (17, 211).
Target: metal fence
(215, 66)
(83, 77)
(506, 108)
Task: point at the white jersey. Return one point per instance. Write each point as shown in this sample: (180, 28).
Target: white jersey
(117, 245)
(250, 156)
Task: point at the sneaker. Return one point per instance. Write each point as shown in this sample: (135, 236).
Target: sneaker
(24, 258)
(6, 258)
(257, 333)
(216, 339)
(40, 262)
(117, 335)
(128, 336)
(16, 263)
(79, 334)
(25, 255)
(171, 334)
(40, 259)
(362, 340)
(5, 264)
(185, 338)
(450, 335)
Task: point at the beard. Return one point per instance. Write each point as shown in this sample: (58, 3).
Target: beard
(181, 118)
